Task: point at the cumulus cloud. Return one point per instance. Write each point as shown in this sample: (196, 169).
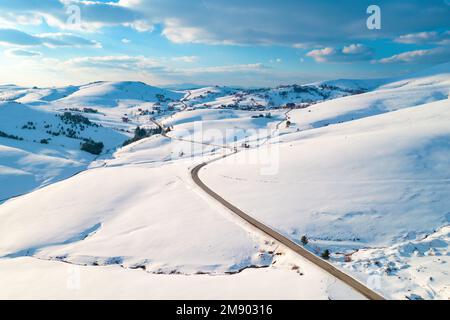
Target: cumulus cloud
(435, 55)
(291, 22)
(177, 33)
(351, 53)
(93, 14)
(20, 38)
(431, 37)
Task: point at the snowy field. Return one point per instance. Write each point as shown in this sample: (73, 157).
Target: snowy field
(143, 227)
(374, 189)
(362, 168)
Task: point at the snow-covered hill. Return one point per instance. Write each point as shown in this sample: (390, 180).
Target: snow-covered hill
(42, 129)
(39, 146)
(425, 87)
(366, 176)
(362, 169)
(271, 98)
(112, 94)
(111, 110)
(125, 220)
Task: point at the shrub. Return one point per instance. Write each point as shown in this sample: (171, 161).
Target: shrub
(326, 254)
(9, 136)
(90, 110)
(304, 240)
(76, 119)
(70, 118)
(29, 125)
(92, 147)
(141, 133)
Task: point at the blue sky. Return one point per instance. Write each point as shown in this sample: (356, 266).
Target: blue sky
(226, 42)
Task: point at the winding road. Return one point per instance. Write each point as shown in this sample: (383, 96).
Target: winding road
(324, 265)
(321, 263)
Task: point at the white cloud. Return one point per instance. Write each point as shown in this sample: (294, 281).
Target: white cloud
(159, 65)
(238, 68)
(126, 41)
(9, 20)
(435, 55)
(431, 37)
(131, 63)
(22, 53)
(19, 38)
(297, 23)
(94, 14)
(351, 53)
(186, 59)
(66, 40)
(140, 25)
(177, 33)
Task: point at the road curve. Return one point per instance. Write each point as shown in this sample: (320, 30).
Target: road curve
(324, 265)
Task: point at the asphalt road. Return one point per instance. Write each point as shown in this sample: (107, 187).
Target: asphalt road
(321, 263)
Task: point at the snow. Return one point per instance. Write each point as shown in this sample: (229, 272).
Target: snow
(128, 216)
(39, 279)
(348, 175)
(107, 94)
(32, 164)
(420, 89)
(223, 127)
(366, 176)
(269, 98)
(370, 185)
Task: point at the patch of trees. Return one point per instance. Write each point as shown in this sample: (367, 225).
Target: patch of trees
(84, 110)
(160, 97)
(76, 119)
(267, 115)
(302, 89)
(92, 146)
(9, 136)
(141, 133)
(29, 125)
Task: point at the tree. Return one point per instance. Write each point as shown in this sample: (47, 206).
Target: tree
(92, 147)
(326, 254)
(304, 240)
